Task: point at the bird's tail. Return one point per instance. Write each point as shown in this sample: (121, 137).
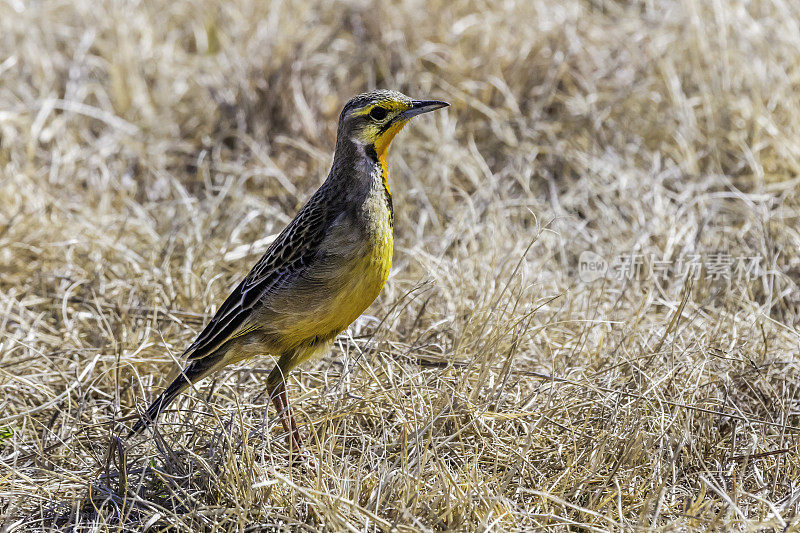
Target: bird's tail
(194, 372)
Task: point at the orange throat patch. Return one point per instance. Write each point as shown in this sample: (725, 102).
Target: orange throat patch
(382, 146)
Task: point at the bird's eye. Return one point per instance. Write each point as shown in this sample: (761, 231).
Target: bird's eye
(378, 113)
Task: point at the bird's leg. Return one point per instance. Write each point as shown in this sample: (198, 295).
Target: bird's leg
(297, 440)
(280, 398)
(276, 388)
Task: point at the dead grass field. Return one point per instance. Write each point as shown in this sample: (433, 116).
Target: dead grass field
(150, 148)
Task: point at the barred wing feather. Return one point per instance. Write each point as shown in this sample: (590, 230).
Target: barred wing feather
(294, 249)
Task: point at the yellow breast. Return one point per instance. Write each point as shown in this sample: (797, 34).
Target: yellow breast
(370, 270)
(369, 275)
(341, 293)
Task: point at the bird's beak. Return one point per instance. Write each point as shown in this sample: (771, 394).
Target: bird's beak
(419, 107)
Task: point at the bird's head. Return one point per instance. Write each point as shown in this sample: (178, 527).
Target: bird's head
(372, 119)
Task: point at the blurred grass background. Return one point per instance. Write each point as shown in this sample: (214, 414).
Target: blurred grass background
(149, 149)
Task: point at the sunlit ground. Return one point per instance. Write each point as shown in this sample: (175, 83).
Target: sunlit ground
(592, 317)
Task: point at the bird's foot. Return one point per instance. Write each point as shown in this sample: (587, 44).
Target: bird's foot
(303, 460)
(300, 457)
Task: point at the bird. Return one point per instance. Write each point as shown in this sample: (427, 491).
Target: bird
(321, 272)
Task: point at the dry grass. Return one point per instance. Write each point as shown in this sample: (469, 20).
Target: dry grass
(144, 145)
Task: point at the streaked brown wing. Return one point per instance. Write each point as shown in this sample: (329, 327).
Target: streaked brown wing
(293, 250)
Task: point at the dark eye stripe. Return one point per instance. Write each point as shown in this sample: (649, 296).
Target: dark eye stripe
(378, 113)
